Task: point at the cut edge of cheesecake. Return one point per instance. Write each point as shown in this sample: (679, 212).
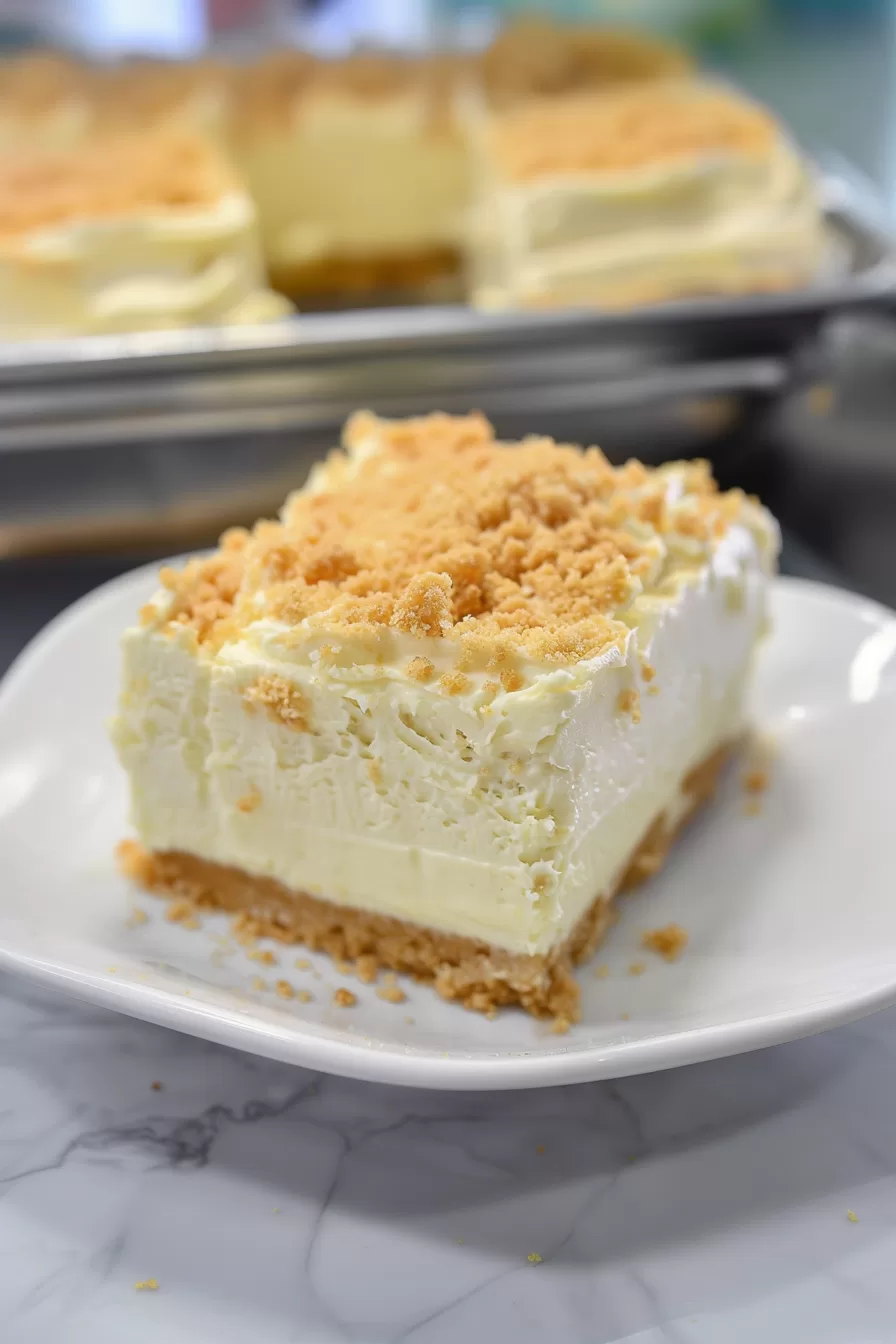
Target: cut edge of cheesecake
(480, 977)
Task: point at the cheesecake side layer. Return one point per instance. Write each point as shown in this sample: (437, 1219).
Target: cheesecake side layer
(461, 969)
(128, 234)
(687, 190)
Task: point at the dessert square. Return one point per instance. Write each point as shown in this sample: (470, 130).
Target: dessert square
(439, 713)
(646, 193)
(359, 168)
(125, 233)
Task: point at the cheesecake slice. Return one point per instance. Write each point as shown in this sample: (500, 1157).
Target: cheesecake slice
(674, 188)
(125, 233)
(446, 707)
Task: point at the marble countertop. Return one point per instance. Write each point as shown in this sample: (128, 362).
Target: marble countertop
(720, 1204)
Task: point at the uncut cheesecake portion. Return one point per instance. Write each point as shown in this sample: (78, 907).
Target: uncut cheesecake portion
(638, 195)
(438, 713)
(127, 232)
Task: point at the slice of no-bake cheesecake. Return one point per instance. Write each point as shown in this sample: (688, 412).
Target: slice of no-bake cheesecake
(446, 707)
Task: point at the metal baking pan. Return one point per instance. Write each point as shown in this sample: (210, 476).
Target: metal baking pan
(360, 340)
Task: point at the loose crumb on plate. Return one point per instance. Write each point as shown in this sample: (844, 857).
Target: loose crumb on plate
(344, 998)
(264, 956)
(284, 989)
(304, 995)
(668, 941)
(534, 1258)
(637, 968)
(258, 984)
(366, 969)
(138, 916)
(410, 1021)
(147, 1286)
(753, 807)
(852, 1216)
(560, 1026)
(757, 779)
(156, 1086)
(540, 1150)
(601, 972)
(390, 991)
(302, 964)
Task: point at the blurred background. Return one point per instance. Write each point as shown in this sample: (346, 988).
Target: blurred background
(112, 456)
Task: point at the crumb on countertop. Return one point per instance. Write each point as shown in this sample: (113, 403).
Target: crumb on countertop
(344, 998)
(668, 942)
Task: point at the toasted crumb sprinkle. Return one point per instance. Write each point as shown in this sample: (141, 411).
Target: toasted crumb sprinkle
(629, 702)
(283, 702)
(420, 669)
(304, 995)
(180, 912)
(250, 800)
(534, 1258)
(147, 1286)
(852, 1216)
(390, 992)
(156, 1086)
(454, 683)
(344, 998)
(284, 989)
(366, 969)
(627, 129)
(757, 780)
(258, 984)
(438, 530)
(669, 941)
(264, 955)
(512, 680)
(637, 968)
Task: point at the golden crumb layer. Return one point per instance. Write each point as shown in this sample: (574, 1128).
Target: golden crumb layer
(374, 273)
(480, 977)
(535, 58)
(628, 129)
(116, 176)
(433, 528)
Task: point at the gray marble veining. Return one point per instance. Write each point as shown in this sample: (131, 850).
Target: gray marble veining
(707, 1205)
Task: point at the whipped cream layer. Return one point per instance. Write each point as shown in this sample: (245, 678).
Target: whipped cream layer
(316, 756)
(144, 264)
(718, 219)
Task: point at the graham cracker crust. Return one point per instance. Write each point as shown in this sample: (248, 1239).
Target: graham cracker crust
(481, 977)
(347, 276)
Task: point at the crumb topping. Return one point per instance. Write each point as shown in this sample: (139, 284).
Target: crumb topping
(669, 941)
(629, 702)
(627, 130)
(113, 176)
(431, 527)
(282, 701)
(534, 57)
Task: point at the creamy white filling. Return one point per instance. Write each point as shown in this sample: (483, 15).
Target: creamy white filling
(344, 178)
(497, 818)
(719, 222)
(120, 274)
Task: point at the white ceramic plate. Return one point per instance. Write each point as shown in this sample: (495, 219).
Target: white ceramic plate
(791, 913)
